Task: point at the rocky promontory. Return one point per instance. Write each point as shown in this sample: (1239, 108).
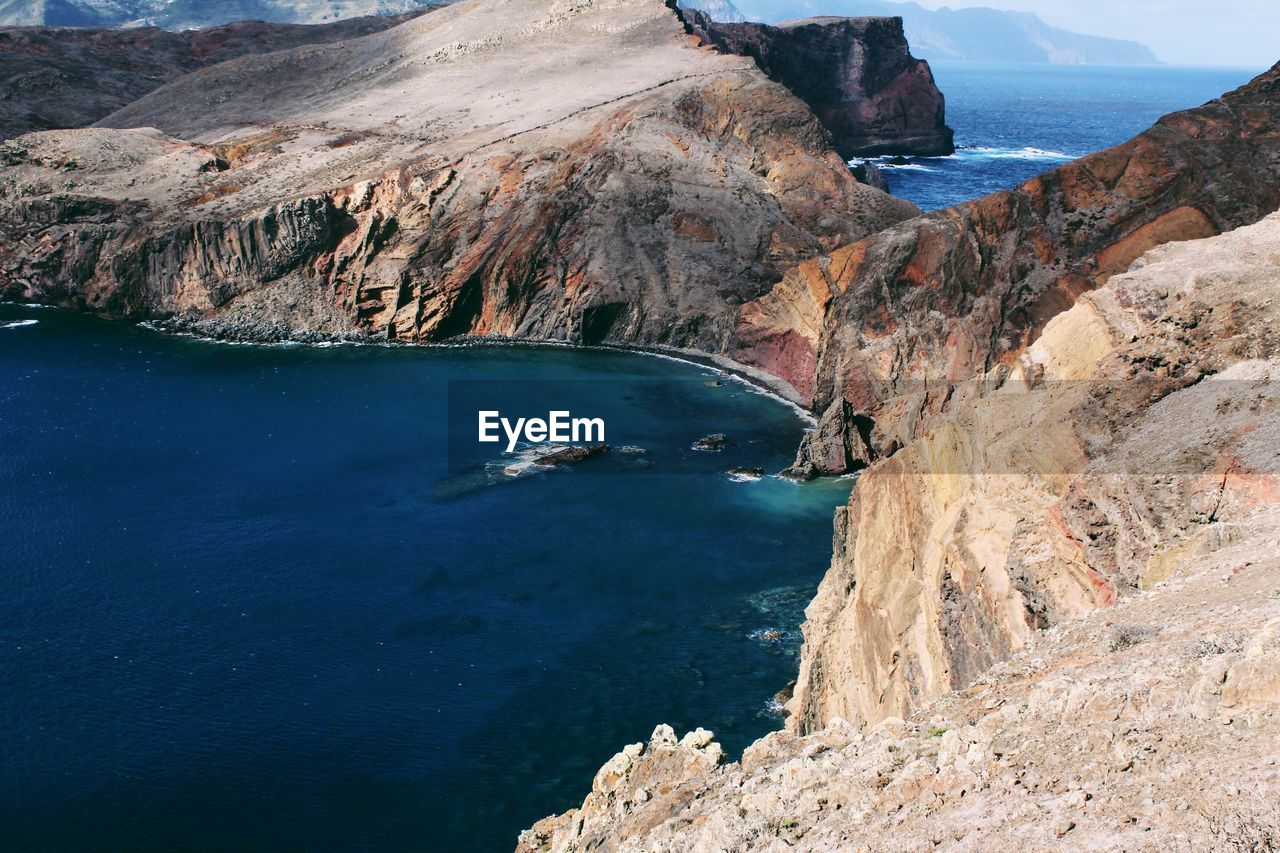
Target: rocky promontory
(584, 171)
(856, 74)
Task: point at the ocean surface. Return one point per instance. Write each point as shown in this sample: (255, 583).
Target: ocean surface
(251, 602)
(275, 598)
(1013, 122)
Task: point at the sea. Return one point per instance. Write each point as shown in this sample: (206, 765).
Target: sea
(280, 598)
(1013, 121)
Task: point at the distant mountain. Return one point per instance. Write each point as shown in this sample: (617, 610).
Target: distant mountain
(192, 14)
(970, 35)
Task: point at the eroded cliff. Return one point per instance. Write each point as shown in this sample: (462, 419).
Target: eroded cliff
(572, 171)
(883, 330)
(1045, 617)
(858, 76)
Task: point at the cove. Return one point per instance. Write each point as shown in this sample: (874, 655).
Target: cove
(251, 604)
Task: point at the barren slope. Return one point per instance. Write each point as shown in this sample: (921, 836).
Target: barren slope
(60, 78)
(580, 171)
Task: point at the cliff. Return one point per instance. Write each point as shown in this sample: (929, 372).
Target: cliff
(1045, 616)
(856, 74)
(637, 189)
(64, 78)
(884, 333)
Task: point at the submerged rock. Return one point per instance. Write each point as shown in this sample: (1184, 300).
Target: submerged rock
(745, 475)
(571, 455)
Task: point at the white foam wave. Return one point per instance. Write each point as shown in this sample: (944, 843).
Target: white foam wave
(1026, 153)
(13, 324)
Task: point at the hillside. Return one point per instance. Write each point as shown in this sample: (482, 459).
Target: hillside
(191, 14)
(61, 78)
(584, 172)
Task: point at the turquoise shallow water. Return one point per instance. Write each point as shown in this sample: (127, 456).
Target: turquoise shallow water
(250, 604)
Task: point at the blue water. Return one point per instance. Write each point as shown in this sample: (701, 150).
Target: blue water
(1013, 122)
(247, 605)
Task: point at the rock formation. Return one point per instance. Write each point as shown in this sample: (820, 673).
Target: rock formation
(573, 171)
(63, 78)
(883, 330)
(858, 76)
(1045, 616)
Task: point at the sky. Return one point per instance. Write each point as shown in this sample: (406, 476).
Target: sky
(1187, 32)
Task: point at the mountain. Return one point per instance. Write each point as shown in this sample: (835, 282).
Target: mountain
(192, 14)
(581, 171)
(973, 35)
(62, 77)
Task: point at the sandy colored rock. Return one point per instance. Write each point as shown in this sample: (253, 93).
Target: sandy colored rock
(990, 663)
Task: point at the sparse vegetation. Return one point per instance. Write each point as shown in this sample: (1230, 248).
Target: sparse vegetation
(1251, 827)
(1214, 644)
(1124, 637)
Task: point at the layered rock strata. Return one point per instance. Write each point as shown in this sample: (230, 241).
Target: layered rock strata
(1045, 616)
(581, 171)
(885, 328)
(858, 76)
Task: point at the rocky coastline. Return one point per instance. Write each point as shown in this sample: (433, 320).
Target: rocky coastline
(1062, 397)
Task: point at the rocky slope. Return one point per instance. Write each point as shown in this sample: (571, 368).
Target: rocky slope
(63, 78)
(884, 333)
(192, 14)
(1045, 618)
(613, 180)
(858, 76)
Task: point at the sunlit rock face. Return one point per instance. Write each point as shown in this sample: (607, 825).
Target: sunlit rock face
(574, 171)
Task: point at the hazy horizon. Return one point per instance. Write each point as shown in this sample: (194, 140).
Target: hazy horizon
(1237, 33)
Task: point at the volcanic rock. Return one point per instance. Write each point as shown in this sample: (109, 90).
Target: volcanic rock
(857, 74)
(580, 171)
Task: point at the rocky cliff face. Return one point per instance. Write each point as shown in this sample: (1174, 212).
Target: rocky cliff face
(63, 78)
(858, 76)
(1044, 616)
(637, 189)
(887, 331)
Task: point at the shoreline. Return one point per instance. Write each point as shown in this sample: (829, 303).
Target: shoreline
(752, 378)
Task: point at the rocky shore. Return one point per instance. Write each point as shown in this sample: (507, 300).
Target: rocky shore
(1053, 595)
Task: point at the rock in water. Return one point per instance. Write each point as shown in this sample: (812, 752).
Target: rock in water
(572, 455)
(442, 178)
(712, 442)
(857, 74)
